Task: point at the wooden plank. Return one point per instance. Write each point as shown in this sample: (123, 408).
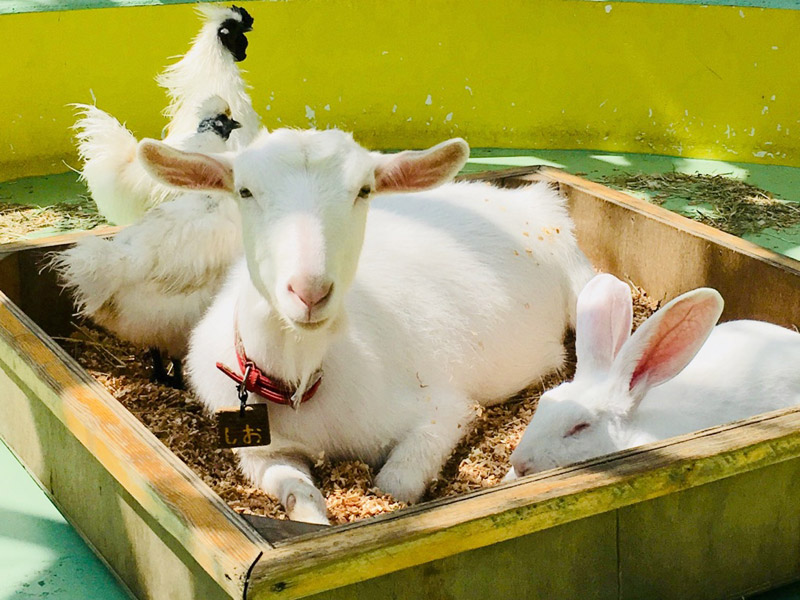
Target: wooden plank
(178, 501)
(63, 239)
(149, 560)
(26, 280)
(433, 531)
(40, 296)
(507, 177)
(574, 560)
(727, 539)
(636, 240)
(9, 276)
(277, 530)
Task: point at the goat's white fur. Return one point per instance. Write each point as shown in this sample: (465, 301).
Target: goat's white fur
(461, 297)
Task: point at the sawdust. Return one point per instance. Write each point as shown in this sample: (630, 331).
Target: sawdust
(18, 221)
(181, 423)
(728, 204)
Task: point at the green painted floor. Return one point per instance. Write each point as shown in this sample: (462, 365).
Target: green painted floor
(41, 555)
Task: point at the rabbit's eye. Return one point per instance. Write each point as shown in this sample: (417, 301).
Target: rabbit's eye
(245, 193)
(576, 429)
(364, 192)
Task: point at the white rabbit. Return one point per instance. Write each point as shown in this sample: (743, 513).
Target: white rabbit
(659, 382)
(442, 301)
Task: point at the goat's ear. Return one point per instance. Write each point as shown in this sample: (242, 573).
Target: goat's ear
(414, 171)
(186, 170)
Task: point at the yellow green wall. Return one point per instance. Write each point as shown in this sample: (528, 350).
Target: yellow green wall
(711, 82)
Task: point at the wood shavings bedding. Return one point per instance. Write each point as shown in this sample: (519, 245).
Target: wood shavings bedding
(181, 423)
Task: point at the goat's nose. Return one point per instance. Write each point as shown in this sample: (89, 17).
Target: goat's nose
(313, 293)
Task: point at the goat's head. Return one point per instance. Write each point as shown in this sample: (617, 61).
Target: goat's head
(303, 197)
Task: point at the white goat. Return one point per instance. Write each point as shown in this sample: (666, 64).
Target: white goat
(120, 187)
(152, 282)
(461, 298)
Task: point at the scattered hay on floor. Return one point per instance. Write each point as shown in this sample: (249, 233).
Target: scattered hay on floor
(181, 423)
(17, 221)
(725, 203)
(174, 416)
(350, 493)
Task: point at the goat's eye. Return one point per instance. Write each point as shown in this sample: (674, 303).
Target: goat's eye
(364, 191)
(576, 429)
(245, 193)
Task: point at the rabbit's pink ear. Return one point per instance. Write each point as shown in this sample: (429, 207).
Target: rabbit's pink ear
(604, 318)
(668, 340)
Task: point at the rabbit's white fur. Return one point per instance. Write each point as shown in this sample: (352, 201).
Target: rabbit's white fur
(209, 68)
(461, 297)
(631, 390)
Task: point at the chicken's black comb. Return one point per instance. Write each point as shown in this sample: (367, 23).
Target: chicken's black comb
(247, 20)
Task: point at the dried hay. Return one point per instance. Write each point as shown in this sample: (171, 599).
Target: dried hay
(728, 204)
(180, 422)
(18, 221)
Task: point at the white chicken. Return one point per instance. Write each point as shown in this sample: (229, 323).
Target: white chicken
(121, 188)
(209, 67)
(119, 185)
(151, 283)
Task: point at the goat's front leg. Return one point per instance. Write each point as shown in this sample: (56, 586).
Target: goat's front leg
(419, 456)
(287, 476)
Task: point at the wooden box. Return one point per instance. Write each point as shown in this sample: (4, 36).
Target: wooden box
(712, 514)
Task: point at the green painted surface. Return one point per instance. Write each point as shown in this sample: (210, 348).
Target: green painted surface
(26, 6)
(41, 555)
(43, 191)
(23, 6)
(783, 182)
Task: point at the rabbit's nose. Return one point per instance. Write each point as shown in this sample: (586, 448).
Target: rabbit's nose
(523, 467)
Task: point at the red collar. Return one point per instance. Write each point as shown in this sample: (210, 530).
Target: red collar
(256, 381)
